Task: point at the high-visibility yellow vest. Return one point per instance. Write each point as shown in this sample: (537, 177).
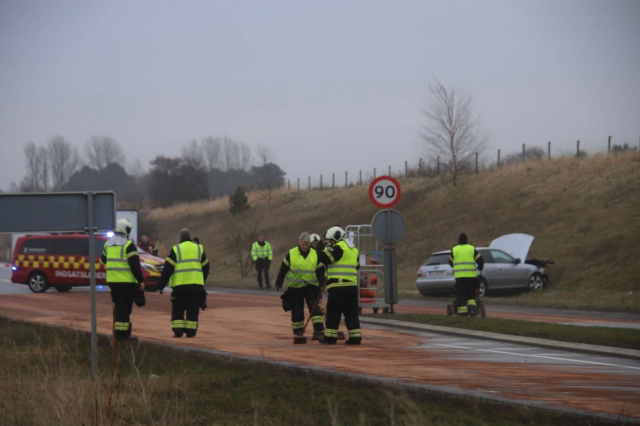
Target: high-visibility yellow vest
(302, 271)
(344, 270)
(188, 268)
(261, 252)
(464, 262)
(118, 270)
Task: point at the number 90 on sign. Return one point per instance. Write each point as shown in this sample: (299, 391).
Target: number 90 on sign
(384, 192)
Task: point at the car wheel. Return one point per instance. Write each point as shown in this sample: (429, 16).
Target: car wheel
(62, 288)
(484, 287)
(536, 282)
(38, 282)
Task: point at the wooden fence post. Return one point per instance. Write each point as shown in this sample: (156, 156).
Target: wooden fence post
(309, 183)
(609, 144)
(498, 158)
(333, 180)
(360, 181)
(420, 167)
(406, 169)
(549, 150)
(476, 163)
(578, 149)
(523, 153)
(298, 184)
(346, 180)
(438, 165)
(320, 181)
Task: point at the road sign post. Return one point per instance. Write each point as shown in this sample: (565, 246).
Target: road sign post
(388, 226)
(64, 212)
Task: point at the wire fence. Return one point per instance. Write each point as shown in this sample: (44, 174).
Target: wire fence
(439, 166)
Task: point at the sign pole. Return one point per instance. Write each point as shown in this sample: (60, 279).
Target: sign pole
(92, 275)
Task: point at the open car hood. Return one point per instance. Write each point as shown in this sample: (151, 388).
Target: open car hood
(517, 245)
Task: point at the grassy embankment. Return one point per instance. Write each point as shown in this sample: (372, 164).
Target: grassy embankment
(616, 337)
(585, 214)
(45, 380)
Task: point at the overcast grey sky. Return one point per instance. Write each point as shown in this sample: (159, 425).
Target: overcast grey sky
(329, 85)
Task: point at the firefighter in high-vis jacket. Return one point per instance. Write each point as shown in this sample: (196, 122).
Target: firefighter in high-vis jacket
(186, 270)
(463, 260)
(262, 256)
(124, 276)
(304, 275)
(341, 259)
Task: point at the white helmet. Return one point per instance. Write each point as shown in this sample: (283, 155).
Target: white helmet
(123, 226)
(315, 238)
(334, 233)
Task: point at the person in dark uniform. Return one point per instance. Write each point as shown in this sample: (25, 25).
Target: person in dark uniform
(304, 276)
(124, 276)
(463, 260)
(341, 259)
(186, 269)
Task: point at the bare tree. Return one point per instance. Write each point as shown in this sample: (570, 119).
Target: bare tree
(136, 169)
(64, 160)
(245, 156)
(37, 164)
(212, 150)
(100, 151)
(452, 131)
(231, 153)
(239, 233)
(192, 154)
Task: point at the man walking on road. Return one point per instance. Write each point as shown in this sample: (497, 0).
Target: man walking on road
(262, 255)
(124, 276)
(186, 270)
(463, 260)
(304, 275)
(342, 274)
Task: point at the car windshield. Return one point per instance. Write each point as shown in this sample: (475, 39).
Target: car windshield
(438, 259)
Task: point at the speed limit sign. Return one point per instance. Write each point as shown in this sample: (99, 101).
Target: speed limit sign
(384, 192)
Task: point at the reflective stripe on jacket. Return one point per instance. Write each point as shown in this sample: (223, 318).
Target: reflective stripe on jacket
(302, 271)
(188, 268)
(345, 270)
(118, 269)
(464, 261)
(261, 252)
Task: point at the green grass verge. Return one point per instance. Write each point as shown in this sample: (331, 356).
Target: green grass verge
(606, 336)
(45, 379)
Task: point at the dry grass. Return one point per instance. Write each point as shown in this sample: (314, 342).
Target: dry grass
(585, 214)
(45, 380)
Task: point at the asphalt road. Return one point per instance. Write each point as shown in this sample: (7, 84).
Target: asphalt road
(248, 325)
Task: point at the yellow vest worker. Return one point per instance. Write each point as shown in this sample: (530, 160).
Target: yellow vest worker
(342, 264)
(262, 256)
(463, 260)
(303, 272)
(186, 269)
(124, 277)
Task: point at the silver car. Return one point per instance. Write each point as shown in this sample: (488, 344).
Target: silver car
(503, 268)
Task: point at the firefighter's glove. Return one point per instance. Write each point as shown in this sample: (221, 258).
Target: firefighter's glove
(139, 299)
(286, 301)
(278, 287)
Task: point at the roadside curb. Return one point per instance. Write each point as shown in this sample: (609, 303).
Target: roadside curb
(547, 343)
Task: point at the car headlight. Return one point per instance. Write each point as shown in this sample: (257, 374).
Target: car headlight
(148, 266)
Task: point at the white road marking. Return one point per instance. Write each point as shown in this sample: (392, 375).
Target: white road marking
(557, 355)
(541, 356)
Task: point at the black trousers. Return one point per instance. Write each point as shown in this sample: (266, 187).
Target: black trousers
(189, 303)
(466, 290)
(122, 295)
(343, 300)
(262, 266)
(299, 296)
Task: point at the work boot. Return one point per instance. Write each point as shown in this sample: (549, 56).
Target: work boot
(328, 340)
(298, 332)
(473, 311)
(354, 341)
(191, 333)
(178, 332)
